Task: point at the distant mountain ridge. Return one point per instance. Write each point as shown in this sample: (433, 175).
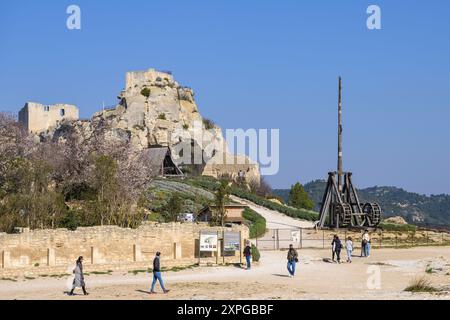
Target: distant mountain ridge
(413, 207)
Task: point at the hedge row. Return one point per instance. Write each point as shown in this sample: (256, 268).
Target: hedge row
(291, 212)
(256, 223)
(397, 227)
(212, 184)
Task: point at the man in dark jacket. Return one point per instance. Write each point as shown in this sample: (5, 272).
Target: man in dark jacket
(157, 274)
(248, 255)
(292, 258)
(337, 247)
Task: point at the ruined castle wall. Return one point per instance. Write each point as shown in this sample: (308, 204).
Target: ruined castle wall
(109, 246)
(37, 117)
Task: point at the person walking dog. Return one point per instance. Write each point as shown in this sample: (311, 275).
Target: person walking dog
(78, 282)
(292, 258)
(157, 274)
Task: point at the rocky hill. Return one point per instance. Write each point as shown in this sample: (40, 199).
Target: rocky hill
(419, 209)
(155, 110)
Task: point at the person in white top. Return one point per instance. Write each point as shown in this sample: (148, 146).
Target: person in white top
(349, 248)
(366, 244)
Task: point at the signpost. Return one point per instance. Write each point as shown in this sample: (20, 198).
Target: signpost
(208, 242)
(231, 241)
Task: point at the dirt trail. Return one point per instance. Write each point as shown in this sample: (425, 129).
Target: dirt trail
(275, 219)
(316, 279)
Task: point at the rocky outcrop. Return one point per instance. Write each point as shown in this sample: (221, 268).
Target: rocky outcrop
(155, 110)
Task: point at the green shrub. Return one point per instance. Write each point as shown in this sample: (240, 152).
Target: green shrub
(70, 221)
(255, 253)
(162, 116)
(291, 212)
(146, 92)
(185, 126)
(255, 222)
(212, 184)
(209, 124)
(397, 227)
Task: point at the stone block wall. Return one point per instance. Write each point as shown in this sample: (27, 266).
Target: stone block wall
(108, 246)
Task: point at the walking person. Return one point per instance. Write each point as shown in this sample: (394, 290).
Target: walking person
(248, 255)
(157, 274)
(333, 247)
(337, 247)
(78, 282)
(367, 240)
(349, 248)
(292, 258)
(363, 245)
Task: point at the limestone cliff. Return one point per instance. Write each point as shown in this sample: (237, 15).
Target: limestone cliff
(155, 110)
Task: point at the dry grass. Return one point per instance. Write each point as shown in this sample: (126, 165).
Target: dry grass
(421, 285)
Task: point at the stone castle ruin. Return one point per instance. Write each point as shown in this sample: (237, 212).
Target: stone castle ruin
(37, 118)
(153, 111)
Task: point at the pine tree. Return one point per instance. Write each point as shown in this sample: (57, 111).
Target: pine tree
(299, 198)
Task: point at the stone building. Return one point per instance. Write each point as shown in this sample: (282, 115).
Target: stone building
(234, 213)
(37, 118)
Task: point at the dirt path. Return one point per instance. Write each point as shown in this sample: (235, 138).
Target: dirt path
(316, 279)
(274, 218)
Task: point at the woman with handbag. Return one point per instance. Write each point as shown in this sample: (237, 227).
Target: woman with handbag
(79, 277)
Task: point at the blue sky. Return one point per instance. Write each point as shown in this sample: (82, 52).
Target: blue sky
(259, 64)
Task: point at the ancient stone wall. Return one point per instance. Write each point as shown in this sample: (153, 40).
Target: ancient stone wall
(107, 246)
(38, 118)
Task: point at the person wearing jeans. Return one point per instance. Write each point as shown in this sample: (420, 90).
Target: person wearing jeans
(157, 274)
(368, 249)
(349, 248)
(366, 242)
(292, 258)
(248, 255)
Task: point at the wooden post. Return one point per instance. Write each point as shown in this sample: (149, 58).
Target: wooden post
(256, 235)
(223, 252)
(323, 239)
(240, 248)
(218, 248)
(199, 249)
(301, 238)
(381, 239)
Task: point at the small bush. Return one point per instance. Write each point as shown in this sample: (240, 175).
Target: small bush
(146, 92)
(255, 222)
(162, 116)
(209, 124)
(421, 285)
(255, 253)
(70, 220)
(185, 126)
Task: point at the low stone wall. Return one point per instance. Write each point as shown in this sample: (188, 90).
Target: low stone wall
(108, 248)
